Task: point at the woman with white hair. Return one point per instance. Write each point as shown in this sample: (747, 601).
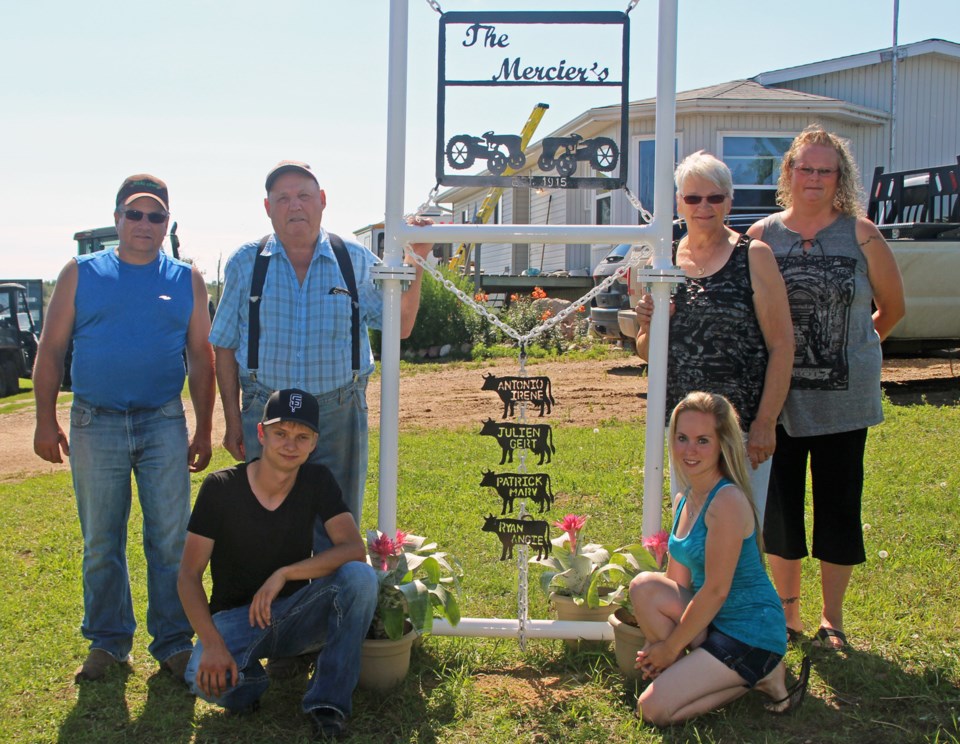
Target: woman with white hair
(730, 329)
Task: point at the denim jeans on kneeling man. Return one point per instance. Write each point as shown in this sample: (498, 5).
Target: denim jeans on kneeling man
(333, 611)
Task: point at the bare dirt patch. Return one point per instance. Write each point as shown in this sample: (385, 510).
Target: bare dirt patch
(587, 393)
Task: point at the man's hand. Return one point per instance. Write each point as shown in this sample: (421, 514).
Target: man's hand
(233, 442)
(199, 453)
(218, 670)
(421, 249)
(260, 606)
(49, 441)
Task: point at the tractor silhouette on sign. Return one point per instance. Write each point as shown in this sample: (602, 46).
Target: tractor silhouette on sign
(464, 149)
(601, 152)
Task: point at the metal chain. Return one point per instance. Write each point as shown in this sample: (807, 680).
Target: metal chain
(525, 338)
(436, 6)
(431, 200)
(523, 586)
(630, 6)
(637, 204)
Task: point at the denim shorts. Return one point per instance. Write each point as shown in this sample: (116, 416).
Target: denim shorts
(750, 662)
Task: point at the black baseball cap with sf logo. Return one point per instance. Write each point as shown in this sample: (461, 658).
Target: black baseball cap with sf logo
(292, 405)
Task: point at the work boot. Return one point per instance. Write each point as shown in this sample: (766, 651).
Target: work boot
(327, 723)
(177, 664)
(95, 667)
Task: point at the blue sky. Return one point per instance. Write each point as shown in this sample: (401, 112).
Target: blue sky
(209, 95)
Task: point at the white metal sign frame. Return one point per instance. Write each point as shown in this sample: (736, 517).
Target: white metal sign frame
(658, 232)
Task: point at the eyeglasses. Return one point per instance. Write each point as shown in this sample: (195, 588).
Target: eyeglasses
(135, 215)
(807, 172)
(694, 199)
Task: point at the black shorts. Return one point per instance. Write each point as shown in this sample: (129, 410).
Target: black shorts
(836, 474)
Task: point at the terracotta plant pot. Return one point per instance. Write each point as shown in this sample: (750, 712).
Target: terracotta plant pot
(627, 640)
(384, 663)
(567, 609)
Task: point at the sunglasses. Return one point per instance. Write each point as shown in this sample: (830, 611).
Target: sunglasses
(693, 199)
(135, 215)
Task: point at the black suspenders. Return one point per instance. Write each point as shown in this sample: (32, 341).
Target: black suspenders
(260, 266)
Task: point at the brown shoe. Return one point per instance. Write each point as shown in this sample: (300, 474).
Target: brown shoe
(95, 667)
(177, 664)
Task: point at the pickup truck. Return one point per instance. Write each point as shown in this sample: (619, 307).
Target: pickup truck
(918, 212)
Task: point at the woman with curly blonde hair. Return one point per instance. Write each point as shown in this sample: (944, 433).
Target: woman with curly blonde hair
(845, 295)
(849, 196)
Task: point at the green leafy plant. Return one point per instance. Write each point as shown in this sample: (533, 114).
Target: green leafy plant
(573, 564)
(416, 582)
(610, 584)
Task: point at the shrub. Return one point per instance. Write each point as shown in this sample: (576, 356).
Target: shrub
(442, 318)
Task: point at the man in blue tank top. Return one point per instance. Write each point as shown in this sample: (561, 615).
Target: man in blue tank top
(130, 313)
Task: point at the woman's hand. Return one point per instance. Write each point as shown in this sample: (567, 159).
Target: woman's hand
(644, 311)
(655, 658)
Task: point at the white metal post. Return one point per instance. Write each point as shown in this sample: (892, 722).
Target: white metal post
(393, 260)
(662, 262)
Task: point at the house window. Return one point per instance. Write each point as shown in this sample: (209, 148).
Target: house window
(601, 210)
(645, 170)
(754, 160)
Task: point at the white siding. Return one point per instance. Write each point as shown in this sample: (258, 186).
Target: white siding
(928, 108)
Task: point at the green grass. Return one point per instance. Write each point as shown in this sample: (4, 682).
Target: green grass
(901, 683)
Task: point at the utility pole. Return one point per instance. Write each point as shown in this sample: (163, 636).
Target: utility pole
(891, 165)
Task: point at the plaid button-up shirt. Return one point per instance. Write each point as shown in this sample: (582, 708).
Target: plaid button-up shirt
(304, 329)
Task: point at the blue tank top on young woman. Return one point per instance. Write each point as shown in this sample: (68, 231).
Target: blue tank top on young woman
(130, 330)
(752, 612)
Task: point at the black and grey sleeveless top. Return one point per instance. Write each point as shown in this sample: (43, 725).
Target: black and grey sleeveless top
(715, 341)
(836, 365)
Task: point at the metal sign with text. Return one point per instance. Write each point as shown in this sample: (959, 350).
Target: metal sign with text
(496, 62)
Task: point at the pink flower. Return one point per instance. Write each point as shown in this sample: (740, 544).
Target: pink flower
(572, 524)
(383, 548)
(399, 540)
(657, 545)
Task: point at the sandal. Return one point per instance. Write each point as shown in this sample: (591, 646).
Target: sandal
(794, 636)
(795, 694)
(825, 639)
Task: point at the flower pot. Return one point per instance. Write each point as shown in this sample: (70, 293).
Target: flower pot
(567, 609)
(384, 663)
(628, 639)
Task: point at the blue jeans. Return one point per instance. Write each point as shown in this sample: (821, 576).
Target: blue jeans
(750, 662)
(342, 445)
(333, 611)
(105, 446)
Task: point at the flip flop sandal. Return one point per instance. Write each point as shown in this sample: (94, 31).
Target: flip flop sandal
(795, 695)
(824, 639)
(794, 636)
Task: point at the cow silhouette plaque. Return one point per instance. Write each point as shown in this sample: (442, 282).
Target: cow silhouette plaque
(525, 486)
(534, 391)
(524, 531)
(537, 438)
